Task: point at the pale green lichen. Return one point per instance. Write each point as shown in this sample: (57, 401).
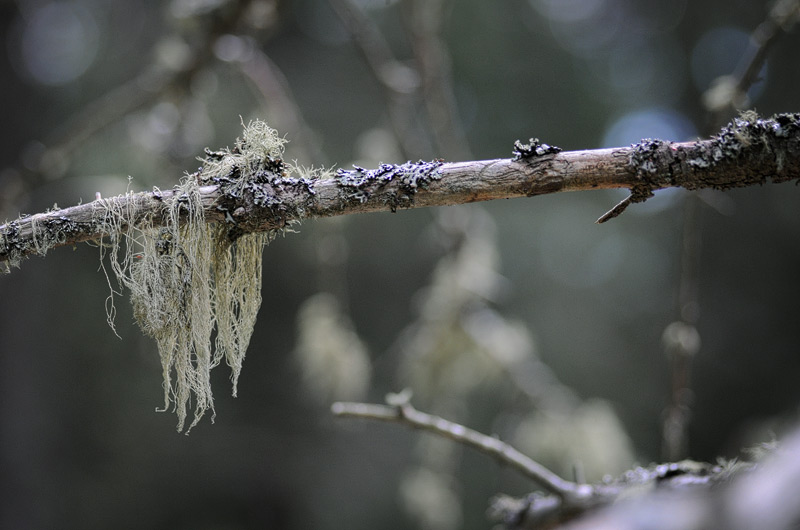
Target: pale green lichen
(195, 289)
(258, 147)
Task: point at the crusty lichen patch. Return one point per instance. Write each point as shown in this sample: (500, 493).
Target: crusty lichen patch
(359, 185)
(533, 149)
(11, 246)
(750, 150)
(195, 285)
(748, 141)
(47, 230)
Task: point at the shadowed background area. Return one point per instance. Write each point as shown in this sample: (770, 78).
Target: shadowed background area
(521, 318)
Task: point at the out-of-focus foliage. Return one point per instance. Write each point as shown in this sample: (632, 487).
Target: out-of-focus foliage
(333, 359)
(520, 318)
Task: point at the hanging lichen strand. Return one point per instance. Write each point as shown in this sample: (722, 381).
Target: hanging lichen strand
(187, 276)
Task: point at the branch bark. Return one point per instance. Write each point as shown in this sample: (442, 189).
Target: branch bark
(400, 410)
(747, 152)
(564, 500)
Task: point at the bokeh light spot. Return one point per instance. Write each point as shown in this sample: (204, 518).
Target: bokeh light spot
(718, 53)
(665, 124)
(59, 43)
(569, 11)
(582, 27)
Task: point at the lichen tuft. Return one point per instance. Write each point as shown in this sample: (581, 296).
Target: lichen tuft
(195, 289)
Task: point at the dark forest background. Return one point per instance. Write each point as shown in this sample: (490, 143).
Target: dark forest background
(465, 305)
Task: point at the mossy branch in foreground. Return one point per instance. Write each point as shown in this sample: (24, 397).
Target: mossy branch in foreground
(187, 276)
(262, 195)
(192, 255)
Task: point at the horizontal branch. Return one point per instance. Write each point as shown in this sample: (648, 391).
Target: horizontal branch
(747, 152)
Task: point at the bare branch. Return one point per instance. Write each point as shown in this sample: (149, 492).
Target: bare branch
(747, 152)
(564, 500)
(400, 410)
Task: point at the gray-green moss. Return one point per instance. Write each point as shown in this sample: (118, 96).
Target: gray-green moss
(195, 285)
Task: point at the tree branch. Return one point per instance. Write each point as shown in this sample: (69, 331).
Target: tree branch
(564, 500)
(400, 410)
(747, 152)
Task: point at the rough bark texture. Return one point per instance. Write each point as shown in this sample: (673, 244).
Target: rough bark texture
(746, 152)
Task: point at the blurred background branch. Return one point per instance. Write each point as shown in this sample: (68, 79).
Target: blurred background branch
(681, 339)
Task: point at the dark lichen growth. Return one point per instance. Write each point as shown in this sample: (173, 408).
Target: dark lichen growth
(11, 246)
(534, 148)
(359, 184)
(45, 232)
(57, 230)
(542, 510)
(254, 184)
(748, 135)
(749, 150)
(648, 159)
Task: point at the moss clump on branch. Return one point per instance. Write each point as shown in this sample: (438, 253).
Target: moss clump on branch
(254, 183)
(189, 277)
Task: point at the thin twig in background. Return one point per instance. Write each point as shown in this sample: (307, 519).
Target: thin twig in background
(729, 92)
(400, 410)
(424, 24)
(681, 338)
(156, 79)
(400, 82)
(564, 500)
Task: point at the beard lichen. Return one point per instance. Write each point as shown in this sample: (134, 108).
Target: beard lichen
(195, 285)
